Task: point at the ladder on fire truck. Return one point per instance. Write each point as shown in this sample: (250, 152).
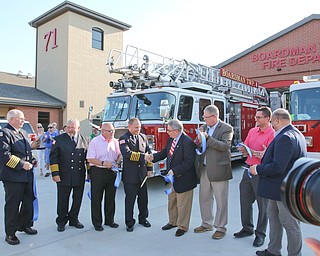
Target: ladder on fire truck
(142, 69)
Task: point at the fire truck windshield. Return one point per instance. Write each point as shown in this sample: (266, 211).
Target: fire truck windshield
(117, 109)
(305, 104)
(147, 106)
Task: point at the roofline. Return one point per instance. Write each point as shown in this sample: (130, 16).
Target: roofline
(30, 103)
(33, 103)
(270, 39)
(67, 6)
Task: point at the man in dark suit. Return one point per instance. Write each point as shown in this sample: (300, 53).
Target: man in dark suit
(180, 154)
(134, 147)
(287, 146)
(16, 173)
(215, 173)
(68, 169)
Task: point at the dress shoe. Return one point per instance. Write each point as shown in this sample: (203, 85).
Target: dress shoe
(266, 253)
(29, 231)
(145, 223)
(168, 226)
(130, 229)
(61, 228)
(258, 241)
(98, 228)
(13, 240)
(76, 225)
(113, 225)
(218, 235)
(202, 229)
(243, 233)
(180, 232)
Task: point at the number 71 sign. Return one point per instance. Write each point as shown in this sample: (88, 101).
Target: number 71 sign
(51, 38)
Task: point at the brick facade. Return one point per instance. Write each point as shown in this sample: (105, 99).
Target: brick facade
(31, 115)
(279, 68)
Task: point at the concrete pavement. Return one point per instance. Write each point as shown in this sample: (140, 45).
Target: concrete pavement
(142, 241)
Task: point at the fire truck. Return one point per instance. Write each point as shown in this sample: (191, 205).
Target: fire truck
(155, 89)
(304, 107)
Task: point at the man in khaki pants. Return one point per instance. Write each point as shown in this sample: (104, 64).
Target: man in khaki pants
(180, 155)
(215, 173)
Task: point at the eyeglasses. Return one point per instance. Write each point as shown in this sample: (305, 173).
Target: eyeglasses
(108, 130)
(205, 117)
(50, 127)
(259, 117)
(39, 126)
(168, 130)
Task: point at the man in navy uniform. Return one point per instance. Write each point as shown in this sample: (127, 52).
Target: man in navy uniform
(16, 173)
(134, 148)
(68, 170)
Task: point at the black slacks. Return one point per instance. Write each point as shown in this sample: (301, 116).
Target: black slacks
(248, 195)
(64, 215)
(102, 183)
(132, 191)
(18, 209)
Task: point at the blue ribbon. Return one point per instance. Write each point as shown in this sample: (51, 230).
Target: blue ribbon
(246, 147)
(35, 201)
(119, 174)
(89, 192)
(168, 178)
(203, 143)
(248, 171)
(116, 182)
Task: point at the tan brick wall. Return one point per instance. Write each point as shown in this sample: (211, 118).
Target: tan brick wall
(304, 35)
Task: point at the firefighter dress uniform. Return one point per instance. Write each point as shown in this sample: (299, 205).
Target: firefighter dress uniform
(68, 160)
(134, 172)
(15, 150)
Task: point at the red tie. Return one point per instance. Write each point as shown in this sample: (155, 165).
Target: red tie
(172, 147)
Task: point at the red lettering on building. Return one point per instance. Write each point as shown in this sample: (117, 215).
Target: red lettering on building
(280, 58)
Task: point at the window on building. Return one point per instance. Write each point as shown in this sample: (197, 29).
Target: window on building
(44, 119)
(97, 38)
(81, 103)
(185, 108)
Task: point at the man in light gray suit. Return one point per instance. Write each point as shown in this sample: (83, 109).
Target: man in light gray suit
(215, 173)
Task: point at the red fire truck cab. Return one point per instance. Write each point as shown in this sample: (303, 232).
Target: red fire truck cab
(156, 91)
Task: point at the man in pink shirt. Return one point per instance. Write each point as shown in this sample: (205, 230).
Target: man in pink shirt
(103, 153)
(257, 141)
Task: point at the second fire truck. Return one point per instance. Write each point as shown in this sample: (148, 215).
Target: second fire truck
(155, 89)
(304, 107)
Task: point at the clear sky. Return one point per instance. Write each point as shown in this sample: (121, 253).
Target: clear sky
(202, 31)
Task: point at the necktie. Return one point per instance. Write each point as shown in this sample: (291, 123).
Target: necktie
(173, 145)
(74, 141)
(136, 141)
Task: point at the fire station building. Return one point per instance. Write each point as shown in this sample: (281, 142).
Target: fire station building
(283, 58)
(73, 44)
